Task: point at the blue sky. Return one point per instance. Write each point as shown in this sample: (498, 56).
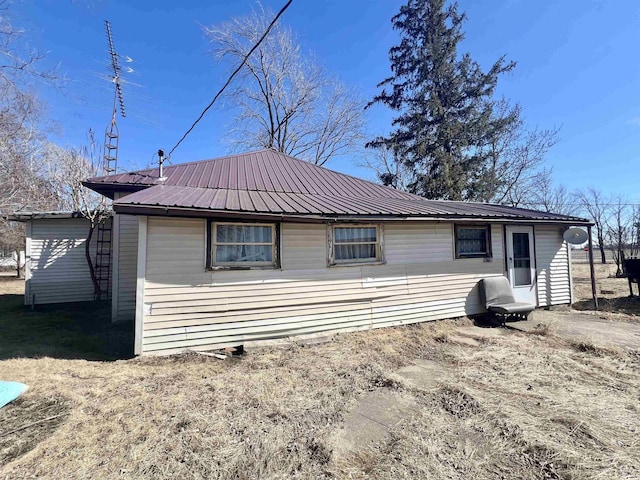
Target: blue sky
(577, 69)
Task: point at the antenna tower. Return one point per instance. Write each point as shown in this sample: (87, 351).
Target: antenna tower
(112, 135)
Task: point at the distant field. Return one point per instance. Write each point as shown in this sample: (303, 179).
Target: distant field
(613, 293)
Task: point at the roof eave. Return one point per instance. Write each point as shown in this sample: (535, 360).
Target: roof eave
(161, 210)
(109, 189)
(27, 216)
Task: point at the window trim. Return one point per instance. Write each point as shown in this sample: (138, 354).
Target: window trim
(211, 244)
(379, 244)
(487, 229)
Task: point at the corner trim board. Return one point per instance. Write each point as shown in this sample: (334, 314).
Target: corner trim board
(141, 271)
(115, 265)
(27, 264)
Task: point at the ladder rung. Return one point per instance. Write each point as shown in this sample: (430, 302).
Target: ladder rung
(111, 135)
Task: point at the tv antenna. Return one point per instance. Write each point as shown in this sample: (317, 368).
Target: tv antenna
(112, 134)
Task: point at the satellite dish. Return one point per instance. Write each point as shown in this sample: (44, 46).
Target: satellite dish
(575, 236)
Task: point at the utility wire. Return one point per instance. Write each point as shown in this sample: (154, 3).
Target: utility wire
(235, 72)
(582, 204)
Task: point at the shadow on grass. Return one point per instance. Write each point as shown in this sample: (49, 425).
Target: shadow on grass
(70, 331)
(486, 320)
(627, 305)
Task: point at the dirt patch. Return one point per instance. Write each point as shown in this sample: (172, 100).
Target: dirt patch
(458, 403)
(27, 421)
(593, 349)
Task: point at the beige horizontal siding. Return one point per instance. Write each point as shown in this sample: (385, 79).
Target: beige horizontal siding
(58, 268)
(190, 308)
(405, 243)
(497, 242)
(552, 255)
(175, 246)
(304, 247)
(127, 266)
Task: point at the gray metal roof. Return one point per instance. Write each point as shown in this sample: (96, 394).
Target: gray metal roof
(26, 216)
(267, 182)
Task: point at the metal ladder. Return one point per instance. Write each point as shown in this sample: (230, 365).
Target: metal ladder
(103, 258)
(111, 138)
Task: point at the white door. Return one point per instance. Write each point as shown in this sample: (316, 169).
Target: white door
(521, 264)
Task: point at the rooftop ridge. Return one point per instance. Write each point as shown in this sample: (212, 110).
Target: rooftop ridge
(147, 171)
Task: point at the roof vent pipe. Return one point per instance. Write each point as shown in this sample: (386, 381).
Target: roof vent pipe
(160, 163)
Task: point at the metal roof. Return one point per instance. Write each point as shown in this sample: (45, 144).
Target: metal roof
(26, 216)
(267, 182)
(264, 170)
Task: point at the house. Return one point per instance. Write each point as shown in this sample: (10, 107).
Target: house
(9, 259)
(261, 245)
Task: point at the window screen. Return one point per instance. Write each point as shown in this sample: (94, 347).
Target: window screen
(472, 241)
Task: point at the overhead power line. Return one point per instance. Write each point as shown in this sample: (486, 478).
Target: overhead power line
(583, 204)
(231, 77)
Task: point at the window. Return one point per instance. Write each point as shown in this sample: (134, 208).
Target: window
(473, 241)
(355, 244)
(243, 245)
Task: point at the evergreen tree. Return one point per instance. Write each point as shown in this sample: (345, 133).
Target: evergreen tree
(447, 120)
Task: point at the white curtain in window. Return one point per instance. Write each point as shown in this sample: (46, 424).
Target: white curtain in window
(347, 244)
(234, 243)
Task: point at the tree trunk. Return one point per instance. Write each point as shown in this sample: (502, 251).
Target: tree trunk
(18, 264)
(92, 269)
(603, 254)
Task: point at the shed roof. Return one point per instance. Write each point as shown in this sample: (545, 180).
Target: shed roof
(24, 216)
(269, 183)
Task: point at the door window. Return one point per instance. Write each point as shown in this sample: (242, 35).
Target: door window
(521, 259)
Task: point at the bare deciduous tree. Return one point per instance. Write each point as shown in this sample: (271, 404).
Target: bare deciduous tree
(634, 249)
(285, 100)
(19, 64)
(22, 185)
(515, 158)
(596, 206)
(618, 231)
(388, 169)
(69, 168)
(547, 196)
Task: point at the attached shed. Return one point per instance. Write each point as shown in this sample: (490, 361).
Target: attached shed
(258, 246)
(56, 269)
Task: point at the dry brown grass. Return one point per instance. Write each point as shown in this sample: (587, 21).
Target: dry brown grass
(27, 421)
(517, 406)
(613, 293)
